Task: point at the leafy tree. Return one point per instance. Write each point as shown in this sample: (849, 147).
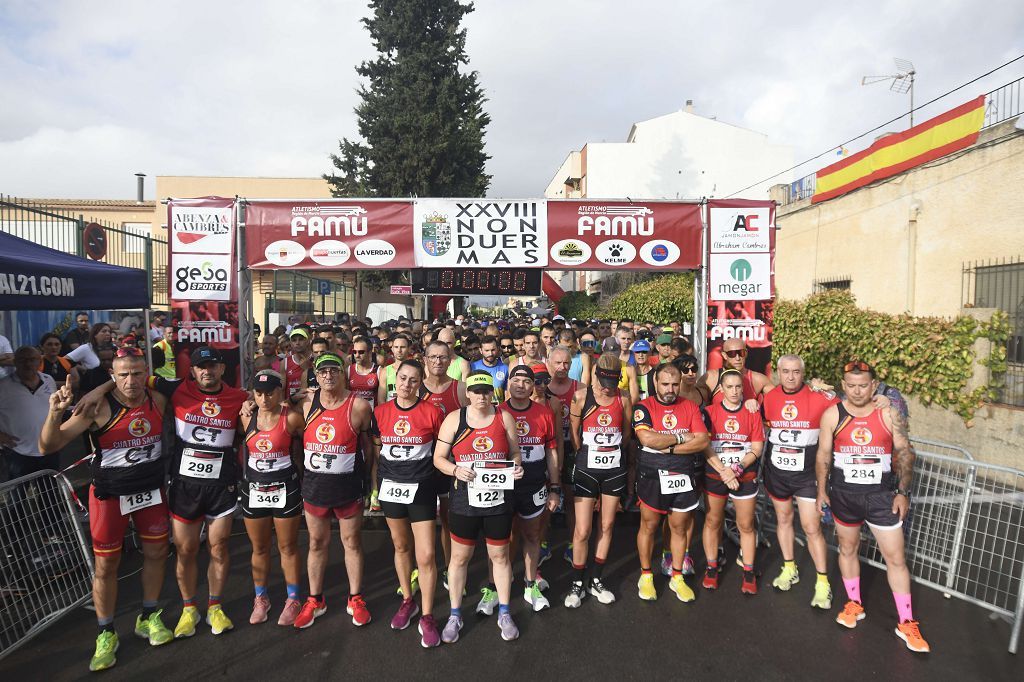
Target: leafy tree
(421, 119)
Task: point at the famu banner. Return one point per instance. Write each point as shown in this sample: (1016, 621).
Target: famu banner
(481, 232)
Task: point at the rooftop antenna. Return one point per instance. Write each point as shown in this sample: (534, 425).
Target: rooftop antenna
(900, 83)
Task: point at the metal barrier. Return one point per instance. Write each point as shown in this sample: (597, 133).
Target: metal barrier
(964, 534)
(46, 567)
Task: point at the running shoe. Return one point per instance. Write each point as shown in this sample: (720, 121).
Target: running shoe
(749, 584)
(910, 632)
(153, 629)
(602, 593)
(645, 587)
(786, 579)
(311, 610)
(666, 563)
(678, 585)
(687, 564)
(545, 554)
(260, 608)
(721, 555)
(544, 585)
(576, 595)
(405, 614)
(106, 649)
(414, 584)
(357, 609)
(508, 628)
(218, 620)
(290, 612)
(186, 626)
(535, 598)
(850, 614)
(429, 636)
(710, 581)
(822, 596)
(374, 502)
(450, 634)
(567, 554)
(488, 602)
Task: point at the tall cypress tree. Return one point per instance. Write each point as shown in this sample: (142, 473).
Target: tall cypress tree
(421, 119)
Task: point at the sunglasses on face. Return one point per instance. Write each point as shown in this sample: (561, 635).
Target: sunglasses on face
(857, 365)
(688, 370)
(741, 353)
(506, 348)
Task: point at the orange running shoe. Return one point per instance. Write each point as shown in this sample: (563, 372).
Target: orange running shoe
(749, 584)
(910, 632)
(357, 609)
(851, 613)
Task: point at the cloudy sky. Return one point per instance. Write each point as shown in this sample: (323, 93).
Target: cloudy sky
(96, 91)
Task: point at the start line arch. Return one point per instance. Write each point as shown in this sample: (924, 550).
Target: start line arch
(216, 243)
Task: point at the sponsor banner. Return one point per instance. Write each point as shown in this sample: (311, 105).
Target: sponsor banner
(201, 225)
(480, 232)
(201, 277)
(329, 235)
(401, 289)
(206, 323)
(598, 235)
(741, 279)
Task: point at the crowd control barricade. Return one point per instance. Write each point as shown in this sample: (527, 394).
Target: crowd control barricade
(964, 533)
(46, 567)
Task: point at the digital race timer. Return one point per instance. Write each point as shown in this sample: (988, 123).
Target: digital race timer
(476, 281)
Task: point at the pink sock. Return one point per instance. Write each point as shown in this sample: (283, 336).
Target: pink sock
(852, 586)
(903, 607)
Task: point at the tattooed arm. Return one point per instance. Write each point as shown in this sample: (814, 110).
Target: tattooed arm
(903, 456)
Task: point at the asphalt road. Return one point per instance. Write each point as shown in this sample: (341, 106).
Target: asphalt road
(722, 636)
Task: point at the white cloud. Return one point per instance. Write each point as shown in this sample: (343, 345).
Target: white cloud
(103, 90)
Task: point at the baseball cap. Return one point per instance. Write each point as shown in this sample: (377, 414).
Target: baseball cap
(299, 331)
(328, 360)
(540, 372)
(266, 381)
(480, 383)
(558, 317)
(641, 346)
(663, 339)
(205, 354)
(522, 370)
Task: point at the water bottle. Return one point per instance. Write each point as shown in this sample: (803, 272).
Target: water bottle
(826, 515)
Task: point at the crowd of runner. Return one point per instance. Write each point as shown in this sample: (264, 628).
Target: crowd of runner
(485, 428)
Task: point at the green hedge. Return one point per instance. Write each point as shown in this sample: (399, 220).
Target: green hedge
(927, 357)
(659, 300)
(580, 305)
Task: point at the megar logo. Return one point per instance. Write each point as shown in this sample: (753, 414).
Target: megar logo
(741, 270)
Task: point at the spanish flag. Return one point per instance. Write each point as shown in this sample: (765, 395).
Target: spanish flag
(893, 154)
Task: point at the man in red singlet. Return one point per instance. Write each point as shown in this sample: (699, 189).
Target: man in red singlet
(333, 485)
(562, 388)
(865, 467)
(755, 384)
(127, 483)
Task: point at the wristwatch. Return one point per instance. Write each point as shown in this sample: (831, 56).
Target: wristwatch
(904, 493)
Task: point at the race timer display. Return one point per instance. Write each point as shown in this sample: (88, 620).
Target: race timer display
(476, 281)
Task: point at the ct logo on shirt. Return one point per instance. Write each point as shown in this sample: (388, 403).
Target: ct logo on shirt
(325, 433)
(732, 425)
(139, 427)
(789, 412)
(860, 435)
(210, 409)
(604, 419)
(522, 427)
(482, 444)
(669, 421)
(264, 445)
(402, 426)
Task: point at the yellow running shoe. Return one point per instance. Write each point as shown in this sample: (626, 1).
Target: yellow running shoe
(186, 626)
(218, 620)
(153, 629)
(822, 596)
(645, 586)
(787, 577)
(682, 590)
(106, 650)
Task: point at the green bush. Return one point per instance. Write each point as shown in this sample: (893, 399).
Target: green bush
(930, 358)
(668, 298)
(579, 304)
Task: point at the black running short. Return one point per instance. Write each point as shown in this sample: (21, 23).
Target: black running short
(423, 506)
(648, 490)
(596, 482)
(193, 502)
(497, 529)
(852, 508)
(529, 501)
(281, 500)
(568, 464)
(783, 486)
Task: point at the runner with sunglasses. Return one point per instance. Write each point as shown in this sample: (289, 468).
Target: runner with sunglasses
(363, 373)
(755, 384)
(865, 468)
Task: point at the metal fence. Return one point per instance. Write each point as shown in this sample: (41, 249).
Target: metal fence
(46, 566)
(64, 230)
(999, 283)
(964, 534)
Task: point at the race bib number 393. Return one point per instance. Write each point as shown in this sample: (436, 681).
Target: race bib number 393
(788, 459)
